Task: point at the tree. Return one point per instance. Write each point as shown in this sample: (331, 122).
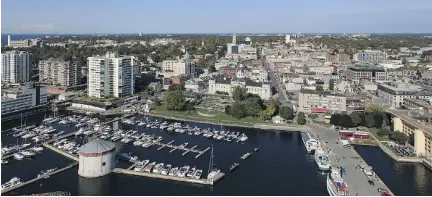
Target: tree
(238, 110)
(378, 120)
(175, 87)
(227, 109)
(370, 120)
(301, 118)
(332, 84)
(239, 93)
(356, 119)
(374, 108)
(398, 137)
(335, 119)
(253, 107)
(174, 100)
(286, 112)
(383, 132)
(268, 113)
(319, 88)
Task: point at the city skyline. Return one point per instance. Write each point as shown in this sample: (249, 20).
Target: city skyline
(177, 17)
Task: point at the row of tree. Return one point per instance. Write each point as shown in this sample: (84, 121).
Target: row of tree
(396, 136)
(355, 119)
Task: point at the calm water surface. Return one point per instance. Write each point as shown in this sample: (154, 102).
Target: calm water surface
(280, 167)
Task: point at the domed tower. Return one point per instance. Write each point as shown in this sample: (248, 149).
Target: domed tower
(96, 158)
(241, 72)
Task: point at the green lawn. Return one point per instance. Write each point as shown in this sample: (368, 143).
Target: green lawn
(374, 131)
(219, 117)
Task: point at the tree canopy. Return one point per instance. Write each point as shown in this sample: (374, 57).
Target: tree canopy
(174, 100)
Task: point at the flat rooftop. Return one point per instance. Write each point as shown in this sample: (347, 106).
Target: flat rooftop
(366, 68)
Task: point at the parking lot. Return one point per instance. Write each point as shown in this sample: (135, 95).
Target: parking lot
(400, 150)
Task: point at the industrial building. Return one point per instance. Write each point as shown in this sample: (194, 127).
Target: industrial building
(96, 158)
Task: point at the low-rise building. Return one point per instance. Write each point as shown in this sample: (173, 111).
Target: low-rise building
(194, 86)
(226, 85)
(230, 71)
(367, 72)
(311, 101)
(370, 56)
(394, 93)
(16, 99)
(423, 105)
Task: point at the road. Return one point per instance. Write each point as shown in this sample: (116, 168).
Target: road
(283, 98)
(339, 156)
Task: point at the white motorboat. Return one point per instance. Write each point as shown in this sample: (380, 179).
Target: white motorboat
(158, 167)
(26, 153)
(197, 174)
(173, 171)
(165, 170)
(149, 167)
(322, 160)
(139, 167)
(18, 156)
(213, 173)
(138, 143)
(4, 161)
(182, 171)
(191, 172)
(311, 141)
(37, 148)
(11, 183)
(243, 137)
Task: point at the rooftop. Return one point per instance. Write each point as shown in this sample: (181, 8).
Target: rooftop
(97, 146)
(329, 93)
(366, 68)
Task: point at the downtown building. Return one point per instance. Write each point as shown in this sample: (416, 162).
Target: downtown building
(370, 56)
(312, 101)
(110, 76)
(15, 67)
(59, 72)
(16, 99)
(184, 66)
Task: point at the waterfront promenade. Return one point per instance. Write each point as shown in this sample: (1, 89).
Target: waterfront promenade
(357, 181)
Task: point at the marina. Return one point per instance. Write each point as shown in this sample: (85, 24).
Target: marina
(223, 161)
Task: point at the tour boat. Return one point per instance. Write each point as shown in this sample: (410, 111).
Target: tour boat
(322, 160)
(336, 186)
(311, 141)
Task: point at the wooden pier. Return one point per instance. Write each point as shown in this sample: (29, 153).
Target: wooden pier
(173, 178)
(37, 178)
(193, 148)
(202, 152)
(61, 152)
(163, 146)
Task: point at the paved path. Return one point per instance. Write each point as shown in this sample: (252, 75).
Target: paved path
(283, 98)
(357, 181)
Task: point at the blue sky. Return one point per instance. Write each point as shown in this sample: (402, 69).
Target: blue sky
(216, 16)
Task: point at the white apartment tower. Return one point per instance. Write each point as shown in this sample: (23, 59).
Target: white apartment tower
(234, 39)
(59, 72)
(15, 67)
(110, 76)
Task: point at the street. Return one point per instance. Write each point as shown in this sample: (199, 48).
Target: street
(283, 98)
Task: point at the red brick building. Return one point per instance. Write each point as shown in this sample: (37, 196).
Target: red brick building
(230, 71)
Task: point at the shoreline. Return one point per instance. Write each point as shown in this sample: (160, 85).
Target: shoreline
(287, 128)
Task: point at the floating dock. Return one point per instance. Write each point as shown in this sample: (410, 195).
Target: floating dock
(173, 178)
(202, 152)
(193, 148)
(163, 146)
(61, 152)
(37, 178)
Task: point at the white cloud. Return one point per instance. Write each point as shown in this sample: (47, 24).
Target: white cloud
(38, 27)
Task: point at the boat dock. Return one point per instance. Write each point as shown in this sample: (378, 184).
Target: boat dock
(173, 178)
(163, 146)
(37, 179)
(186, 152)
(202, 152)
(175, 147)
(61, 152)
(349, 159)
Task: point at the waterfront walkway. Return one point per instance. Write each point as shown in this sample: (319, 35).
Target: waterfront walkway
(355, 178)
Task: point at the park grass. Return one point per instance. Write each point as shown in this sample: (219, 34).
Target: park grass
(374, 132)
(218, 118)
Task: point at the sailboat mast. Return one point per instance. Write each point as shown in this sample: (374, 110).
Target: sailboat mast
(211, 161)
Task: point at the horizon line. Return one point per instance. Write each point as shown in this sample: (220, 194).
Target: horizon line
(242, 33)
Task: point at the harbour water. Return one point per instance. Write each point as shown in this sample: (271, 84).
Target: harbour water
(280, 167)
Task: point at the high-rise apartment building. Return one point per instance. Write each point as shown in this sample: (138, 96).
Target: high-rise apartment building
(110, 76)
(59, 72)
(15, 67)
